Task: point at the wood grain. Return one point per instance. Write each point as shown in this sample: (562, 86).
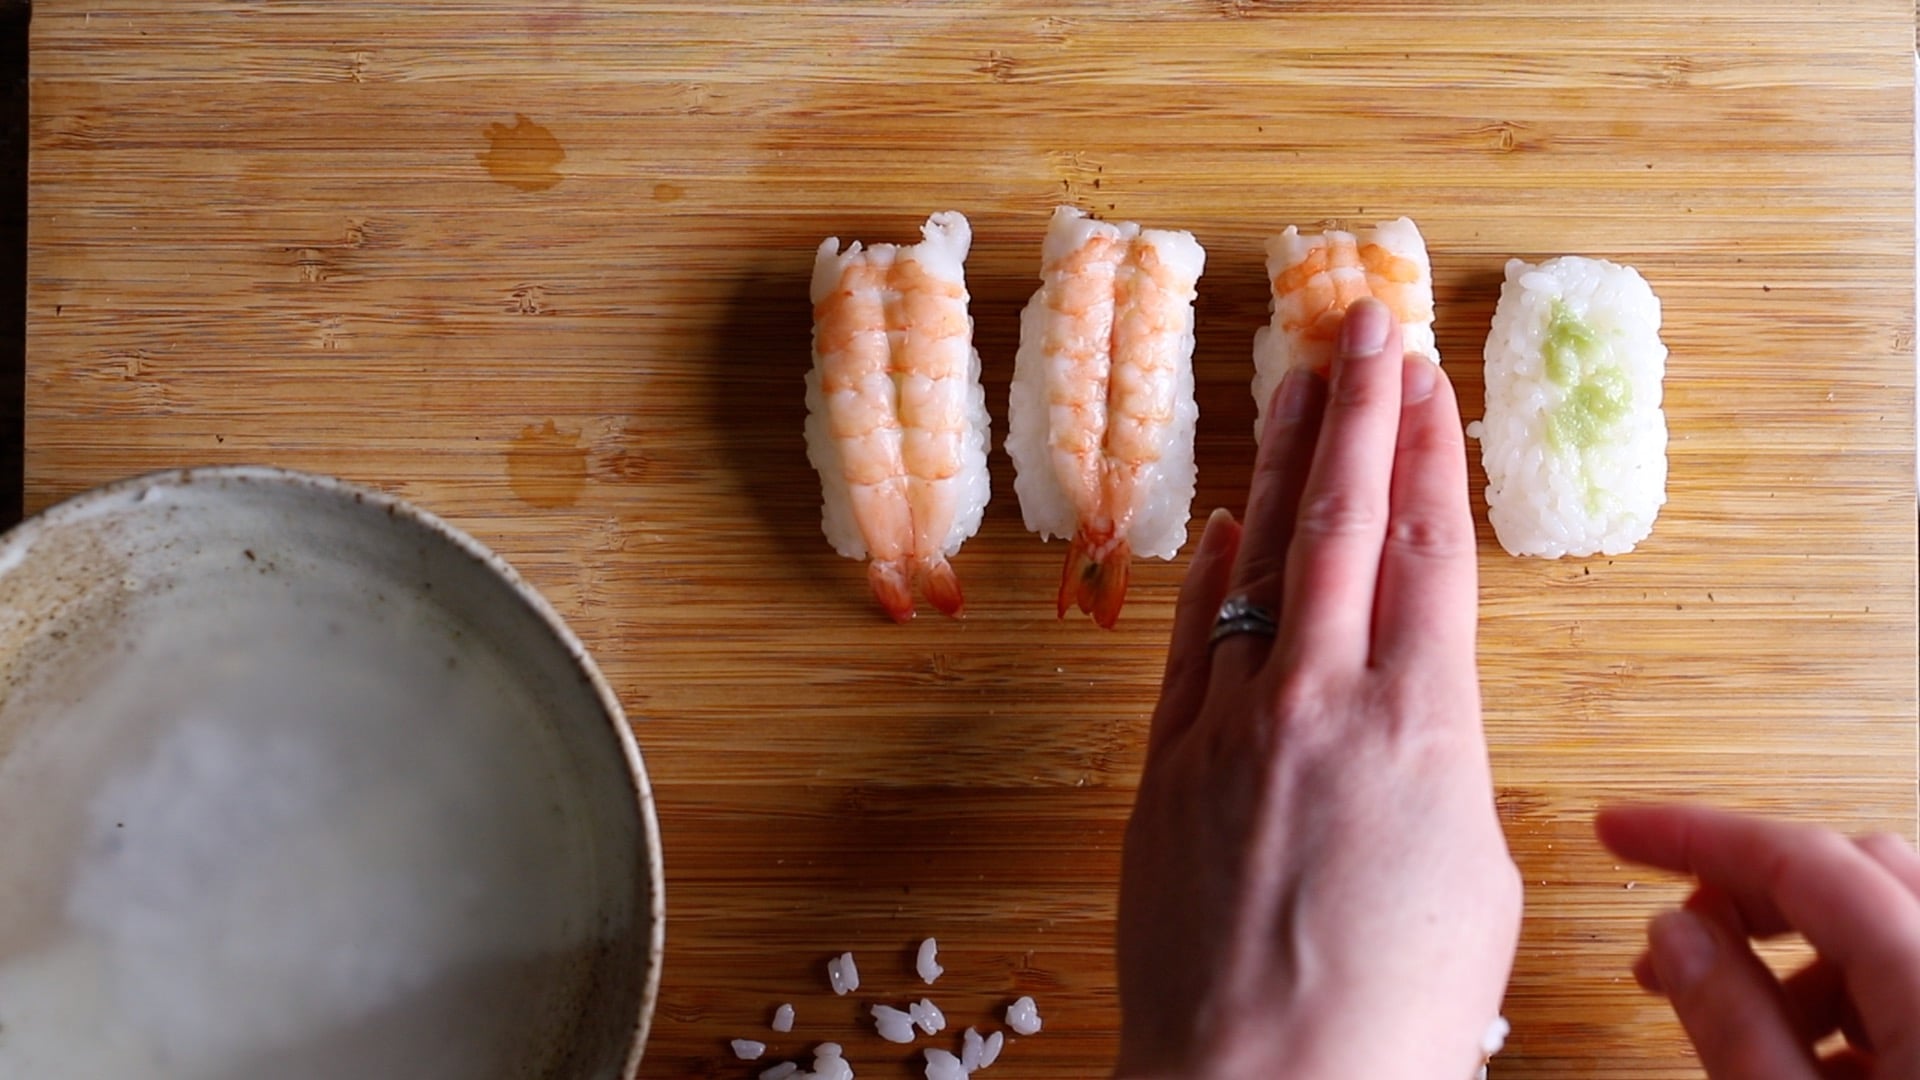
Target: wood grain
(288, 232)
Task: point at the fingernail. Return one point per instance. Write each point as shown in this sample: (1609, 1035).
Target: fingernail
(1683, 949)
(1215, 528)
(1364, 332)
(1418, 379)
(1215, 521)
(1296, 390)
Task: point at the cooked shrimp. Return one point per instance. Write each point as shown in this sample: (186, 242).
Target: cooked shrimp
(1102, 414)
(897, 424)
(1315, 279)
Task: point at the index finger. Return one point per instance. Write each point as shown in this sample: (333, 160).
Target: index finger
(1847, 906)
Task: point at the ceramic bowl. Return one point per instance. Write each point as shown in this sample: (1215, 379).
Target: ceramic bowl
(297, 780)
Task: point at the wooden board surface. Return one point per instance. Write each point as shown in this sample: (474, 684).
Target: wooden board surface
(542, 267)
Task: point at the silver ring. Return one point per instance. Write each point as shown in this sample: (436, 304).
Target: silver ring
(1242, 616)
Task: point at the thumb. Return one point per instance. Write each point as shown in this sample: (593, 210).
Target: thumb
(1730, 1004)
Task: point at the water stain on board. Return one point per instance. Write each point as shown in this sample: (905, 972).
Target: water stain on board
(547, 467)
(524, 155)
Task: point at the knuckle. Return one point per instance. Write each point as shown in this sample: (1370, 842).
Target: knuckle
(1824, 851)
(1818, 854)
(1366, 386)
(1886, 844)
(1294, 698)
(1727, 1047)
(1273, 465)
(1339, 512)
(1306, 722)
(1430, 438)
(1261, 578)
(1198, 599)
(1296, 701)
(1747, 1049)
(1440, 537)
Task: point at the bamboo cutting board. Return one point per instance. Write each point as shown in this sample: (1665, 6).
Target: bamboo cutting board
(543, 268)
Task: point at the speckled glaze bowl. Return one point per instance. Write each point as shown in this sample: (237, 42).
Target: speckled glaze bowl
(298, 780)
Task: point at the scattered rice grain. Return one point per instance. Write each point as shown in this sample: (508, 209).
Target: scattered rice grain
(928, 963)
(1023, 1016)
(843, 974)
(783, 1018)
(748, 1049)
(927, 1016)
(1496, 1036)
(990, 1052)
(827, 1064)
(942, 1065)
(894, 1025)
(1493, 1040)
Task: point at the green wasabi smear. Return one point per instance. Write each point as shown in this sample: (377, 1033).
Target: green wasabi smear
(1570, 344)
(1590, 408)
(1598, 393)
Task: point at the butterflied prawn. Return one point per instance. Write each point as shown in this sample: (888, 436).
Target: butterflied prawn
(896, 417)
(1101, 416)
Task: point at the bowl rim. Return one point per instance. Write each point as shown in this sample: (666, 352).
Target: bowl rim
(96, 501)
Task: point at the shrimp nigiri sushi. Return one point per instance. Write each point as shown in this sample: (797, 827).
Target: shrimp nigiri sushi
(1315, 279)
(896, 418)
(1101, 417)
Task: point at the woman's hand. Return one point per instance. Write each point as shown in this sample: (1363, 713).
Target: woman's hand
(1857, 902)
(1315, 883)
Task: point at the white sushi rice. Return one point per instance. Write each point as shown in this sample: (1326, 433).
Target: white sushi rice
(942, 1065)
(1159, 525)
(1023, 1016)
(1496, 1036)
(972, 1049)
(927, 962)
(843, 974)
(1492, 1041)
(748, 1049)
(977, 1053)
(946, 239)
(827, 1064)
(1574, 441)
(990, 1048)
(927, 1016)
(782, 1071)
(894, 1025)
(783, 1018)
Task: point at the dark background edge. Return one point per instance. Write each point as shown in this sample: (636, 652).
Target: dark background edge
(14, 17)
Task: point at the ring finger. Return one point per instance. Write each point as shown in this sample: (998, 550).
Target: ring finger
(1279, 473)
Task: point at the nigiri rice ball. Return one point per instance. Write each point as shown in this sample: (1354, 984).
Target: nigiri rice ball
(1574, 441)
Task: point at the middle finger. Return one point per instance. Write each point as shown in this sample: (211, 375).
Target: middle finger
(1341, 527)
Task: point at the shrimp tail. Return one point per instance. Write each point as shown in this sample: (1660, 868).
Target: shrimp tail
(1095, 579)
(892, 584)
(942, 586)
